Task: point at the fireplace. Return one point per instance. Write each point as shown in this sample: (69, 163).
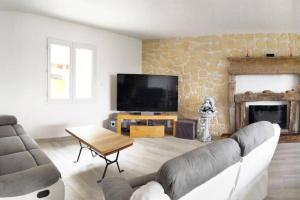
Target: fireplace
(272, 113)
(262, 66)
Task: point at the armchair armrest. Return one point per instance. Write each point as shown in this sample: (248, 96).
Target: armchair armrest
(142, 180)
(116, 188)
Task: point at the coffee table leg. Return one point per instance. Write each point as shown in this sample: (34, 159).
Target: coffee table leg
(103, 175)
(109, 162)
(81, 147)
(120, 170)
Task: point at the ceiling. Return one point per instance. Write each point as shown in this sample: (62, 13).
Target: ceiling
(155, 19)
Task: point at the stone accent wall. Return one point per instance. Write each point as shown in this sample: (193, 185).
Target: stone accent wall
(201, 64)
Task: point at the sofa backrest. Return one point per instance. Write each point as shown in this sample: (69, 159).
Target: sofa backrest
(253, 135)
(218, 187)
(7, 120)
(7, 126)
(182, 174)
(258, 142)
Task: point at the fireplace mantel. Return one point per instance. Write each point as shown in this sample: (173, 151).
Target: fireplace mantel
(260, 66)
(264, 65)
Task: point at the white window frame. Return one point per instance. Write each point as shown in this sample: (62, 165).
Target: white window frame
(72, 89)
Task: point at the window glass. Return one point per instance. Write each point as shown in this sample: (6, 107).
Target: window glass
(84, 73)
(60, 71)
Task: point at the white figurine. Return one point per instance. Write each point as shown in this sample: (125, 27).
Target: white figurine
(208, 107)
(207, 112)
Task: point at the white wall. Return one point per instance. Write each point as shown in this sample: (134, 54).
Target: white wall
(258, 83)
(23, 77)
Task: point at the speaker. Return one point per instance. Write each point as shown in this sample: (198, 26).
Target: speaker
(112, 125)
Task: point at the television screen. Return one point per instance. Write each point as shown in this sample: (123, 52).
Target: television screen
(142, 92)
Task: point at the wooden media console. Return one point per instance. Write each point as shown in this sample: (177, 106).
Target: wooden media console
(146, 130)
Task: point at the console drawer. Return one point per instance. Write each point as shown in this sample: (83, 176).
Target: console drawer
(147, 131)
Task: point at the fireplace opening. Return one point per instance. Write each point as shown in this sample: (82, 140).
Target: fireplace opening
(272, 113)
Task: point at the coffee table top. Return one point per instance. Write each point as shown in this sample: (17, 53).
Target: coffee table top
(100, 139)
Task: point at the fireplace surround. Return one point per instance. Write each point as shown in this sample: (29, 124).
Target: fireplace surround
(261, 66)
(290, 97)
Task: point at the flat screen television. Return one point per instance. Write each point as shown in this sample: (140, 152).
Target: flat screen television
(143, 92)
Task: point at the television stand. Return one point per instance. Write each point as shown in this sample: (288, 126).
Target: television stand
(146, 130)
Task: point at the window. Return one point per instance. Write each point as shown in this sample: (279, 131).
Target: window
(70, 71)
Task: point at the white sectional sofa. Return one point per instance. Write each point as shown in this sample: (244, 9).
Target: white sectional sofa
(235, 168)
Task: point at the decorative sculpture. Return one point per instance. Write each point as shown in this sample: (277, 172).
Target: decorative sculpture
(207, 112)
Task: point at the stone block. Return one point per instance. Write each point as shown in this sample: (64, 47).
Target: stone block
(271, 44)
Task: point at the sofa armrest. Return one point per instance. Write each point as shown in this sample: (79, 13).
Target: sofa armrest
(115, 188)
(142, 180)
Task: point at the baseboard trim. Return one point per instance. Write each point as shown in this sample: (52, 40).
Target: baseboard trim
(54, 139)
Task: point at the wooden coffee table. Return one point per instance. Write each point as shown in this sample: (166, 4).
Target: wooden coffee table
(101, 142)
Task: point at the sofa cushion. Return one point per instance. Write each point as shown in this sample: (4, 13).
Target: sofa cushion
(29, 180)
(7, 120)
(184, 173)
(253, 135)
(16, 162)
(9, 145)
(19, 129)
(115, 188)
(28, 142)
(40, 157)
(7, 131)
